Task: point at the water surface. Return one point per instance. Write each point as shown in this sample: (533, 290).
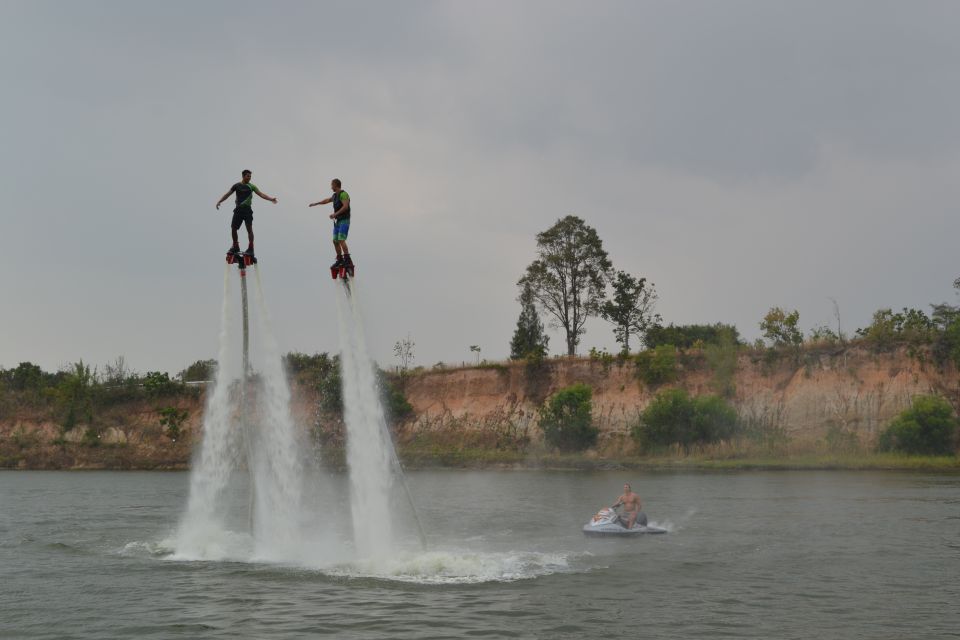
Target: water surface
(749, 555)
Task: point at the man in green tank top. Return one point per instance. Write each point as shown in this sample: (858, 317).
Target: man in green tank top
(243, 212)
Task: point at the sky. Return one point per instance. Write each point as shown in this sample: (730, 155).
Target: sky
(739, 154)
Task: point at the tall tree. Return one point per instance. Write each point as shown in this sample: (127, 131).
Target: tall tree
(568, 279)
(630, 310)
(529, 337)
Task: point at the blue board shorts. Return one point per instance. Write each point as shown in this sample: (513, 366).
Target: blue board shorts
(340, 229)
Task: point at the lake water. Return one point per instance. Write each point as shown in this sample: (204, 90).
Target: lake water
(749, 555)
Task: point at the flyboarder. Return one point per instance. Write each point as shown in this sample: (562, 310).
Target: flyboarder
(243, 212)
(341, 226)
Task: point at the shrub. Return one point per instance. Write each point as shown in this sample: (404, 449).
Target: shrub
(320, 371)
(780, 328)
(158, 383)
(888, 329)
(657, 366)
(722, 359)
(567, 419)
(673, 417)
(396, 405)
(928, 427)
(171, 419)
(686, 336)
(75, 396)
(199, 371)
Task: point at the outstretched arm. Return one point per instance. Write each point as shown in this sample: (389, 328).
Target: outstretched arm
(224, 197)
(324, 201)
(264, 196)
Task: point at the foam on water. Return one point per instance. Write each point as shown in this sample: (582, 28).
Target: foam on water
(456, 567)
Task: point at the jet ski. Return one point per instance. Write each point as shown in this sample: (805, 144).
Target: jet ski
(607, 522)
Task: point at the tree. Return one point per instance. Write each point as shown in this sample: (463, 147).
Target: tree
(75, 395)
(27, 376)
(199, 371)
(780, 328)
(630, 310)
(529, 337)
(567, 420)
(403, 349)
(568, 279)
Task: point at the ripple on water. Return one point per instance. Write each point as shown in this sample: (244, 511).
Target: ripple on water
(453, 567)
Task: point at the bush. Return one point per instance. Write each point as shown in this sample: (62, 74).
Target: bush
(320, 371)
(396, 405)
(780, 328)
(199, 371)
(722, 359)
(888, 329)
(673, 417)
(158, 383)
(75, 396)
(567, 419)
(657, 366)
(686, 336)
(171, 419)
(928, 427)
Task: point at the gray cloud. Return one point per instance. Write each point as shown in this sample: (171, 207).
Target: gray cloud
(740, 154)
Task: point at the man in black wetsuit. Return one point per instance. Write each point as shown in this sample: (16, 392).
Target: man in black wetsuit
(243, 212)
(341, 222)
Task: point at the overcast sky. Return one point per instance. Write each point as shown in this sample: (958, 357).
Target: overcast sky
(739, 154)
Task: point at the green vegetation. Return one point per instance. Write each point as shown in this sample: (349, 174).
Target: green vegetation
(928, 427)
(567, 421)
(689, 336)
(722, 359)
(171, 420)
(75, 396)
(199, 371)
(673, 417)
(781, 329)
(888, 330)
(320, 372)
(630, 310)
(529, 338)
(657, 366)
(569, 277)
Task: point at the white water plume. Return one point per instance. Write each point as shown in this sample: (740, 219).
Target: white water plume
(278, 466)
(369, 448)
(268, 470)
(215, 463)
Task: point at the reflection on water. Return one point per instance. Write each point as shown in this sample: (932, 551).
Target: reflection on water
(750, 555)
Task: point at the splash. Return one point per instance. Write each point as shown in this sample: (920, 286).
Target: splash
(249, 473)
(459, 567)
(369, 448)
(215, 463)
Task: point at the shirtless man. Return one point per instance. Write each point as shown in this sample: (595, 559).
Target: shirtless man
(631, 506)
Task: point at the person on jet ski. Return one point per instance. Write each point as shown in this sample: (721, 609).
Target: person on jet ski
(631, 506)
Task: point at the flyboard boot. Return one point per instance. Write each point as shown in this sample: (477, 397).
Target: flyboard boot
(248, 257)
(347, 266)
(336, 267)
(233, 254)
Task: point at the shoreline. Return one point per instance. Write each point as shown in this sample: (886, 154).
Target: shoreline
(514, 461)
